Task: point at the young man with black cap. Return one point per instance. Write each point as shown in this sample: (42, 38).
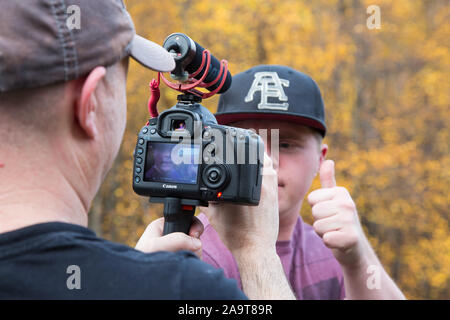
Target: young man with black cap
(331, 259)
(62, 119)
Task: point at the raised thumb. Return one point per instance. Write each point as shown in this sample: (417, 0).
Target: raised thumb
(326, 173)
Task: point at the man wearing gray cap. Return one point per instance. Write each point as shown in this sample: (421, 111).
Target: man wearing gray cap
(62, 119)
(331, 259)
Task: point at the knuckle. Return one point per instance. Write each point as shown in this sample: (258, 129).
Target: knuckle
(317, 226)
(177, 238)
(315, 210)
(348, 204)
(192, 243)
(327, 239)
(352, 236)
(314, 193)
(347, 219)
(341, 190)
(152, 225)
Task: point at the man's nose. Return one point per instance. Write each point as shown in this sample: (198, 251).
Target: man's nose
(273, 153)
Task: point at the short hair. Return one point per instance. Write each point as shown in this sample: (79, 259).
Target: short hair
(34, 109)
(318, 136)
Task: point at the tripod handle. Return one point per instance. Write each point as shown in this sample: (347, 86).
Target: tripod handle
(177, 217)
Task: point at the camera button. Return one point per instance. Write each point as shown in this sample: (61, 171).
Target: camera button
(138, 170)
(145, 130)
(138, 160)
(214, 175)
(137, 179)
(140, 151)
(153, 131)
(210, 148)
(141, 141)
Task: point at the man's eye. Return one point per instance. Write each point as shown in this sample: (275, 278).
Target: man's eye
(290, 146)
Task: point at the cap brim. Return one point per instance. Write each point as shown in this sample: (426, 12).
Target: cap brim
(151, 55)
(227, 118)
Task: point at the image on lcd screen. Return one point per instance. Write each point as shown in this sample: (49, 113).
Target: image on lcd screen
(171, 162)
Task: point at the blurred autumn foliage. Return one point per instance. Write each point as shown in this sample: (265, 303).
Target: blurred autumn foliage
(386, 93)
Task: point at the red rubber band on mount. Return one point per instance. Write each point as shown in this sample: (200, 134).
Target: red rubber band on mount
(207, 61)
(191, 83)
(223, 71)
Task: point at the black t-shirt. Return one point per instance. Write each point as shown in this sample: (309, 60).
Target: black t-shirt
(65, 261)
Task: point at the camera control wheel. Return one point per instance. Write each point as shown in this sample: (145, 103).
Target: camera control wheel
(215, 176)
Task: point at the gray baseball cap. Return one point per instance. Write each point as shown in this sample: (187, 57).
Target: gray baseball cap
(276, 93)
(48, 41)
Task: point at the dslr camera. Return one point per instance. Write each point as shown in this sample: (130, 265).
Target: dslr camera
(183, 157)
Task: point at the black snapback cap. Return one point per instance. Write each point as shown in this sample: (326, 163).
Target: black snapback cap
(273, 92)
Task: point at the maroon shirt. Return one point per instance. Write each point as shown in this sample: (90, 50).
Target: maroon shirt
(310, 266)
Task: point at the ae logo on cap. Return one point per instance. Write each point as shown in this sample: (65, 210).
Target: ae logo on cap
(271, 86)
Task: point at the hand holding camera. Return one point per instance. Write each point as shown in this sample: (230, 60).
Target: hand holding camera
(249, 229)
(153, 240)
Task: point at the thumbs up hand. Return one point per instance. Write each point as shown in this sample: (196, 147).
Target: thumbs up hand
(336, 218)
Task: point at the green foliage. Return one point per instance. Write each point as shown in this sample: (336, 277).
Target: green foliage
(386, 93)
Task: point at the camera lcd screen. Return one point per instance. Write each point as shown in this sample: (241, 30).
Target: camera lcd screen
(172, 162)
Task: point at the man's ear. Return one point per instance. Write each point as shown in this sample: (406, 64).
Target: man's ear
(86, 104)
(322, 155)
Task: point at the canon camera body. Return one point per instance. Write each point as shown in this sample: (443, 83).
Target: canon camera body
(184, 153)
